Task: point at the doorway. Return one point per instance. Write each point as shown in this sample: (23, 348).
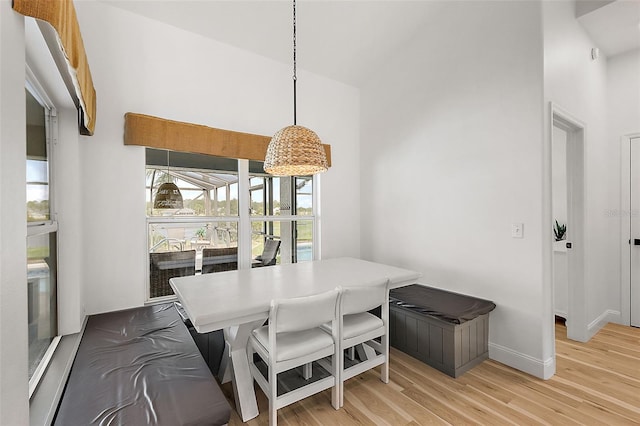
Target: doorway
(567, 148)
(630, 230)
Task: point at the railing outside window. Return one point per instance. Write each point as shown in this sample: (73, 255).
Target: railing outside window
(206, 234)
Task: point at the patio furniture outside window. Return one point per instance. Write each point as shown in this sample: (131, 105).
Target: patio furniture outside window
(214, 225)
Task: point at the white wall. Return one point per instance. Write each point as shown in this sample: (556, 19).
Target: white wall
(16, 48)
(65, 181)
(578, 85)
(452, 156)
(623, 89)
(14, 401)
(623, 118)
(559, 176)
(144, 66)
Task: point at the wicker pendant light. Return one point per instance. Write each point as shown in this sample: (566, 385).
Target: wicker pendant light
(168, 195)
(295, 150)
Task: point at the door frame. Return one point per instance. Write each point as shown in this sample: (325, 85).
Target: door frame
(577, 327)
(625, 227)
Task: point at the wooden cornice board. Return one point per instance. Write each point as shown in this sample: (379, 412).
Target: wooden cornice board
(155, 132)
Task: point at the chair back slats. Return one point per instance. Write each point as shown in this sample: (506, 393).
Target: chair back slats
(303, 313)
(219, 259)
(363, 298)
(296, 337)
(270, 251)
(166, 265)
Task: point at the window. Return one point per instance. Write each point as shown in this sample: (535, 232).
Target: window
(42, 230)
(277, 204)
(203, 235)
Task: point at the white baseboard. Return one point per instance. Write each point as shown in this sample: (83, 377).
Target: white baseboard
(523, 362)
(547, 368)
(562, 314)
(604, 318)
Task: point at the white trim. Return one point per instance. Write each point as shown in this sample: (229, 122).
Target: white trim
(41, 228)
(32, 84)
(44, 402)
(317, 225)
(42, 366)
(543, 369)
(244, 207)
(576, 141)
(50, 226)
(191, 219)
(288, 218)
(35, 88)
(625, 227)
(603, 319)
(244, 219)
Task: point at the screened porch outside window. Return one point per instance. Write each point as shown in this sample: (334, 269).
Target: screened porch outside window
(233, 214)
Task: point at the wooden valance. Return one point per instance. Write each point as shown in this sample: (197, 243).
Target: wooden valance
(59, 26)
(154, 132)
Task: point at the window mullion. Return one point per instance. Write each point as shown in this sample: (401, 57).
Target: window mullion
(244, 212)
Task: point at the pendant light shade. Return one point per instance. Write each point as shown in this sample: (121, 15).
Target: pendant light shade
(168, 197)
(295, 151)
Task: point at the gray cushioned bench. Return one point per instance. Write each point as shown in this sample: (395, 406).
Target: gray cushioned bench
(140, 367)
(449, 331)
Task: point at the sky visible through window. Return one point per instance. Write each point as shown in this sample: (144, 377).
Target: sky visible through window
(37, 180)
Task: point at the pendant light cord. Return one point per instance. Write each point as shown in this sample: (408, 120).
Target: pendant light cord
(168, 174)
(295, 77)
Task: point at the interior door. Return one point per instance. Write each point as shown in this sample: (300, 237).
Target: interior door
(560, 207)
(635, 232)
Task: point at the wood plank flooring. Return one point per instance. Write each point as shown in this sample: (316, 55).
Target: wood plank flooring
(596, 383)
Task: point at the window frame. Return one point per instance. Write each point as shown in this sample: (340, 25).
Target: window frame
(244, 221)
(50, 226)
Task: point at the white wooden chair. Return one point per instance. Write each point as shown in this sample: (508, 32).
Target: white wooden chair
(293, 338)
(357, 326)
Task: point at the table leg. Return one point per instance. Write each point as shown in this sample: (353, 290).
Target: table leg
(236, 366)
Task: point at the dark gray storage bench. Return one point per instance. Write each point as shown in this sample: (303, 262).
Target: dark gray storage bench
(140, 367)
(448, 331)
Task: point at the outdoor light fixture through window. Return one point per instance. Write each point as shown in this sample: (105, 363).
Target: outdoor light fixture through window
(295, 150)
(168, 195)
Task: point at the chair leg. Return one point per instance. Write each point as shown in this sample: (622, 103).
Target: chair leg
(273, 413)
(336, 390)
(351, 353)
(307, 371)
(273, 398)
(384, 369)
(340, 377)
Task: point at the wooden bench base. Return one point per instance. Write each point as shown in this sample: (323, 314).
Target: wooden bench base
(450, 348)
(447, 331)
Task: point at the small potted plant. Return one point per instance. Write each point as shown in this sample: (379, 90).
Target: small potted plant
(559, 231)
(201, 233)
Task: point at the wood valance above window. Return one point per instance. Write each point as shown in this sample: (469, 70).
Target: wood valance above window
(59, 25)
(155, 132)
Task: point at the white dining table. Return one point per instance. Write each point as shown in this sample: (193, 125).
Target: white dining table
(238, 302)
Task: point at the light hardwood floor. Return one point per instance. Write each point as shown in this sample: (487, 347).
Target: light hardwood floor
(597, 383)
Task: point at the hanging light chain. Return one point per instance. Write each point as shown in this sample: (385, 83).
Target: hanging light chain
(168, 173)
(295, 77)
(295, 150)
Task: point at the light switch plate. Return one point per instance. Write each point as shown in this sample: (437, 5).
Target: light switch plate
(517, 230)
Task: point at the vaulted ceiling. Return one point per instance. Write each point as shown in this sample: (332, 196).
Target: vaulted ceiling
(346, 40)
